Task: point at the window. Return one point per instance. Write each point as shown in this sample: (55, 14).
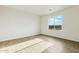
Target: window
(55, 22)
(51, 23)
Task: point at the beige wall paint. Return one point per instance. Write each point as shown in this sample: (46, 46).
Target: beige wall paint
(70, 25)
(15, 24)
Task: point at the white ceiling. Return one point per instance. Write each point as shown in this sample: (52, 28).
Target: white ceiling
(39, 9)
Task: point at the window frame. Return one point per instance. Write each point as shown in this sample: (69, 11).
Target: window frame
(54, 24)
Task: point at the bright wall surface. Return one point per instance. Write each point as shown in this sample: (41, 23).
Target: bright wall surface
(16, 24)
(70, 24)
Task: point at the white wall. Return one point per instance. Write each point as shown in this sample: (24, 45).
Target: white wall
(16, 24)
(70, 24)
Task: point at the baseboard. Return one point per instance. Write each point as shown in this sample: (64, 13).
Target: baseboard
(59, 38)
(17, 37)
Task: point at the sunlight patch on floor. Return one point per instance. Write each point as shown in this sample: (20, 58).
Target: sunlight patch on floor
(35, 45)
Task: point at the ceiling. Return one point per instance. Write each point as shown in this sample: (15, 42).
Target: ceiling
(39, 9)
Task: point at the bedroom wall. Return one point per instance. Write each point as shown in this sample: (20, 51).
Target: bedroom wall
(70, 24)
(16, 24)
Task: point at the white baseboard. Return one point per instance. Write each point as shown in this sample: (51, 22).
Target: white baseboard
(16, 37)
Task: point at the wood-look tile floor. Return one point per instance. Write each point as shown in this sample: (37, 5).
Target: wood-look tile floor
(59, 45)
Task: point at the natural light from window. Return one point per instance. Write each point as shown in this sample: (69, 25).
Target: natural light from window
(55, 22)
